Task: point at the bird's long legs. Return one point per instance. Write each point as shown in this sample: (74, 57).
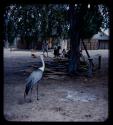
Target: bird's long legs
(31, 94)
(24, 96)
(37, 93)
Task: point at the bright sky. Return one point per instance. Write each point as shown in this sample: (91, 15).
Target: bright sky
(106, 31)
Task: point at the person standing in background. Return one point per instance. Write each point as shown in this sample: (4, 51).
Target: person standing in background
(45, 47)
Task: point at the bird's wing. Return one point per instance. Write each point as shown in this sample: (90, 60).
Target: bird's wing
(37, 76)
(34, 77)
(30, 78)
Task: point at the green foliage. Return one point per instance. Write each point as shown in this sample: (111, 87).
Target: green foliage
(91, 22)
(11, 32)
(44, 21)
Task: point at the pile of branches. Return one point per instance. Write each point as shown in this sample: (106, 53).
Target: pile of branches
(56, 68)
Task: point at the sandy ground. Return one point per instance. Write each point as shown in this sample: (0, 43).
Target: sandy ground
(68, 99)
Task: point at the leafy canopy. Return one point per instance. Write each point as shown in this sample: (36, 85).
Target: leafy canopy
(52, 20)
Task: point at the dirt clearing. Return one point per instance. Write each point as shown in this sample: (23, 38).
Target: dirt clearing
(67, 99)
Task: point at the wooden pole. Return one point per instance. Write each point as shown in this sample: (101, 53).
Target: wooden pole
(99, 62)
(90, 68)
(87, 51)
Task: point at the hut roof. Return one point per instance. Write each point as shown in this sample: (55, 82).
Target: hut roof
(101, 36)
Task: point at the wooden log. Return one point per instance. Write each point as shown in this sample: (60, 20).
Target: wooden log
(27, 70)
(57, 70)
(55, 77)
(56, 73)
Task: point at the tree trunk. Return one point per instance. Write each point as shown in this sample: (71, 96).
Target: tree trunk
(74, 41)
(6, 34)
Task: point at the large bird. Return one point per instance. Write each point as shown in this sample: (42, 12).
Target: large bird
(34, 78)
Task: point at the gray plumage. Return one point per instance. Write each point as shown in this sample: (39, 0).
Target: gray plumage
(34, 78)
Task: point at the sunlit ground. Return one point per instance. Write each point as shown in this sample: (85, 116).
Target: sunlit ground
(67, 99)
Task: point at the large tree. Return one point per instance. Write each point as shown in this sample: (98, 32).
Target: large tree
(36, 21)
(84, 23)
(75, 21)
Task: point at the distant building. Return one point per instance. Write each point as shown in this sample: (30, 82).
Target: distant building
(103, 40)
(98, 41)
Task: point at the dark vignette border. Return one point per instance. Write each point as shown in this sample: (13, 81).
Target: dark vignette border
(5, 3)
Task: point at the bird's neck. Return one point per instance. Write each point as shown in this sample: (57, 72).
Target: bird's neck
(43, 65)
